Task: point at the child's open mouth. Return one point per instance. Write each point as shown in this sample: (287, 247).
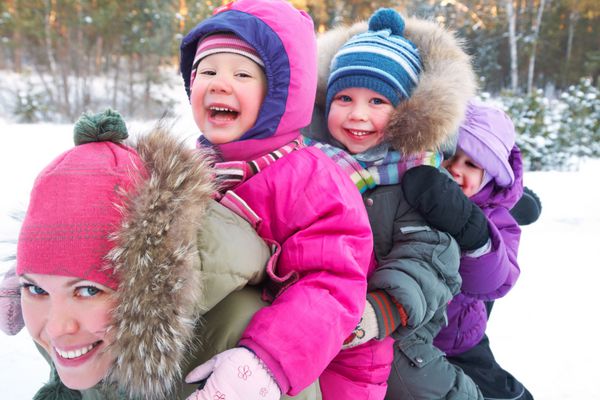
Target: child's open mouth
(358, 133)
(222, 113)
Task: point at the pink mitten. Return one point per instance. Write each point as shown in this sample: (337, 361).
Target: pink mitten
(235, 374)
(11, 319)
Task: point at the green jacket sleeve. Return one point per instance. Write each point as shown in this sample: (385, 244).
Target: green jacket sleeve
(231, 253)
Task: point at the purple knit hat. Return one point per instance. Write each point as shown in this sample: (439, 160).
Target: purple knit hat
(487, 136)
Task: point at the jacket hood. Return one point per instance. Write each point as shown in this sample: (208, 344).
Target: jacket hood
(493, 196)
(285, 40)
(429, 119)
(155, 257)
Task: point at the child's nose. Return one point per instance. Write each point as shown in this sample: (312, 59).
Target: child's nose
(220, 85)
(453, 169)
(359, 113)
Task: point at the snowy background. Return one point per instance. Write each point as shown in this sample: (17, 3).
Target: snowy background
(542, 331)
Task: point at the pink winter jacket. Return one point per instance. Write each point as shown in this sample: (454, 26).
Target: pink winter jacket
(326, 243)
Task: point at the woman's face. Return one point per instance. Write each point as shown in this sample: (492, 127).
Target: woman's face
(68, 317)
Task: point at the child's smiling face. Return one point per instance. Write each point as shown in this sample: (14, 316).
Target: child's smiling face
(226, 97)
(358, 117)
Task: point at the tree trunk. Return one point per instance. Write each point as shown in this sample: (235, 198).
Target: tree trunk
(48, 39)
(131, 93)
(535, 34)
(116, 81)
(44, 80)
(573, 19)
(512, 42)
(78, 57)
(17, 40)
(338, 14)
(98, 57)
(59, 77)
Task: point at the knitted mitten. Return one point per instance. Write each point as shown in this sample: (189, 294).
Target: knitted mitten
(528, 208)
(11, 318)
(443, 205)
(366, 329)
(234, 374)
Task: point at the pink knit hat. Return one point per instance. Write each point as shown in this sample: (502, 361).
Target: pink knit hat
(74, 207)
(223, 43)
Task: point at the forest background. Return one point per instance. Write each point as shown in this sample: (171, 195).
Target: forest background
(539, 59)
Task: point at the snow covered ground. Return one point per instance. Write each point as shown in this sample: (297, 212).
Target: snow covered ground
(542, 331)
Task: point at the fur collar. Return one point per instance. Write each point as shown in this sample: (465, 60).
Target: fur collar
(429, 119)
(156, 258)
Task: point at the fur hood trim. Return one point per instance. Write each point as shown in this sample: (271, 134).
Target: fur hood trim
(431, 116)
(156, 258)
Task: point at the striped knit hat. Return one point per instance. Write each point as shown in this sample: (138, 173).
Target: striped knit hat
(380, 59)
(223, 43)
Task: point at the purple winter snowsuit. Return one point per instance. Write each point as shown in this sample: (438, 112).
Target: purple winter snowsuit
(490, 276)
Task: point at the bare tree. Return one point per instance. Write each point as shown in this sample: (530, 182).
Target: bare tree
(17, 39)
(512, 42)
(534, 40)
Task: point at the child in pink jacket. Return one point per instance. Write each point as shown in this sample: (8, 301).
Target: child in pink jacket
(250, 72)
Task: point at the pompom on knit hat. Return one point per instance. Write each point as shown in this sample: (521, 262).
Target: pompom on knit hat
(381, 59)
(223, 43)
(487, 136)
(75, 203)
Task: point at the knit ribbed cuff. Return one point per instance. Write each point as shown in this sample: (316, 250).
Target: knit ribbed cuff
(390, 314)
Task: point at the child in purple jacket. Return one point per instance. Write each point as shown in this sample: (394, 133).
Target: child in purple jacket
(487, 166)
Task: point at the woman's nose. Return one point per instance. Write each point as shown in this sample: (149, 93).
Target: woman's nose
(61, 321)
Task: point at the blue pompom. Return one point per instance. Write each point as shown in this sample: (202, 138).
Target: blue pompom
(387, 18)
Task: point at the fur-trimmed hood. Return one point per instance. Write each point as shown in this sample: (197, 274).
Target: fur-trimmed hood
(156, 258)
(431, 116)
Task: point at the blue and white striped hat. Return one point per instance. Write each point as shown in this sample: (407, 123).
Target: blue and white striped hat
(380, 59)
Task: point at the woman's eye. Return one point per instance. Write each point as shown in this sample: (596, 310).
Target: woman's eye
(88, 291)
(33, 289)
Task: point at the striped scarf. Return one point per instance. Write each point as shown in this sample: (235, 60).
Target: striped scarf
(232, 173)
(386, 171)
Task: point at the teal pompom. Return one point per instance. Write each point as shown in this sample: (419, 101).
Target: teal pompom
(107, 126)
(387, 18)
